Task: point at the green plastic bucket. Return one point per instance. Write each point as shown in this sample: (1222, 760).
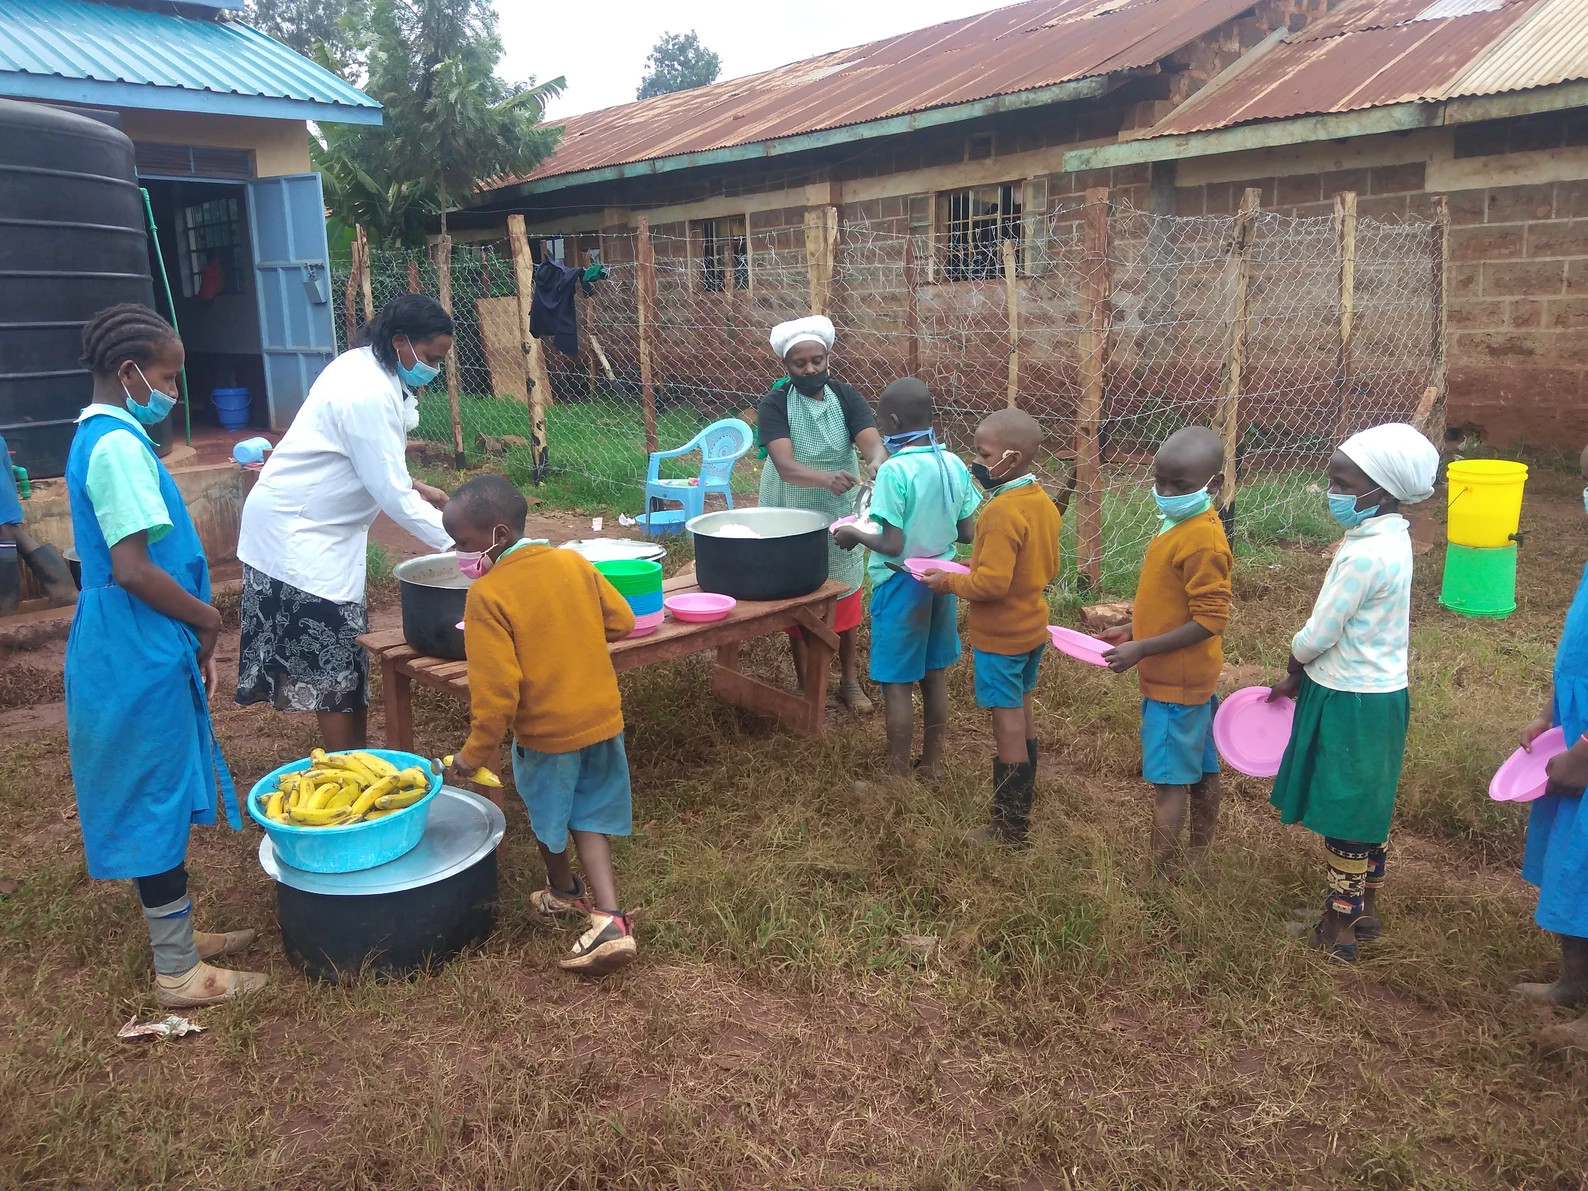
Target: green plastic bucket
(1479, 582)
(632, 576)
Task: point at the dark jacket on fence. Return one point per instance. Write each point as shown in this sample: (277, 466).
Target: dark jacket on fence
(552, 311)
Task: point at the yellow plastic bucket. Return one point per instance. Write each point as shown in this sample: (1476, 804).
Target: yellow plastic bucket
(1485, 501)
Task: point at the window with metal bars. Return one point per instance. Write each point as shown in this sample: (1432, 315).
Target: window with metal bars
(211, 236)
(724, 247)
(975, 222)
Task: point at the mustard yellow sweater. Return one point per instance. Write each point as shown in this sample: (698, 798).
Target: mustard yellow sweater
(1185, 577)
(1015, 557)
(536, 628)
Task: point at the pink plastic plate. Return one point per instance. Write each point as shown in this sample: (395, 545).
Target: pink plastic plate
(1078, 645)
(645, 625)
(920, 566)
(1524, 775)
(1251, 733)
(699, 607)
(460, 626)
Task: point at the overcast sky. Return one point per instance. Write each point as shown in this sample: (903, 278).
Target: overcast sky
(601, 47)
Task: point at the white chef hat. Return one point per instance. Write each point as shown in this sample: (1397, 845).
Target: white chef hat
(1398, 458)
(817, 328)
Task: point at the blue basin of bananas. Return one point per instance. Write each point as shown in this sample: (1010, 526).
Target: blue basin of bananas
(352, 848)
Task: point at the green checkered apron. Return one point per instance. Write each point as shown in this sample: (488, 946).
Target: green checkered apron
(820, 438)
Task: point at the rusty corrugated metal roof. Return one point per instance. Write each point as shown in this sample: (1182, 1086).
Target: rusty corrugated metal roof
(1026, 46)
(1374, 53)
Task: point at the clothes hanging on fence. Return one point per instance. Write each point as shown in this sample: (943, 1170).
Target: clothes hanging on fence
(552, 310)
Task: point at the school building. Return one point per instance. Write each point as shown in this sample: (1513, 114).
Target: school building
(968, 133)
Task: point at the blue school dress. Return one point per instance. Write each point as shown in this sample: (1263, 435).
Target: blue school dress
(1556, 859)
(144, 760)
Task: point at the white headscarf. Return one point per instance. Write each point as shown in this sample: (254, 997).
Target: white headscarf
(817, 328)
(1398, 458)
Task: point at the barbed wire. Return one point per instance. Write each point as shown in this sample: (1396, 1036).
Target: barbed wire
(908, 301)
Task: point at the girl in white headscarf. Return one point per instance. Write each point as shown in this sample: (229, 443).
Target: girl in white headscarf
(814, 430)
(1348, 676)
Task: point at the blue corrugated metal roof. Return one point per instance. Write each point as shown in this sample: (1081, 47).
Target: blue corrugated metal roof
(81, 52)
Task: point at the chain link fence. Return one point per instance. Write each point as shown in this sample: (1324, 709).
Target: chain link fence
(1113, 327)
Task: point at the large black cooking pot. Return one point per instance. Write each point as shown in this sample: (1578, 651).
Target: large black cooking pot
(401, 917)
(433, 594)
(786, 558)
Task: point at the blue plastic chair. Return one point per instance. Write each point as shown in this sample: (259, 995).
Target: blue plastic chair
(721, 445)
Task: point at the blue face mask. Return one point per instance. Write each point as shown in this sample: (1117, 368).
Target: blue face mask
(159, 404)
(1178, 508)
(1342, 507)
(1585, 500)
(909, 438)
(420, 374)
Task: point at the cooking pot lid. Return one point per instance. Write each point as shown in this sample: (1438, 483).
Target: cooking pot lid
(461, 831)
(616, 549)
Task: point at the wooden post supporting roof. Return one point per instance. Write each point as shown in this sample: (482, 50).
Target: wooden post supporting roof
(645, 300)
(821, 240)
(1012, 306)
(1095, 298)
(1345, 233)
(537, 383)
(1238, 272)
(444, 273)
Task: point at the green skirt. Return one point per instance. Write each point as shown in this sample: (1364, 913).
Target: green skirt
(1343, 762)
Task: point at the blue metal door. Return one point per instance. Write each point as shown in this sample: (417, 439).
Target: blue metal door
(292, 276)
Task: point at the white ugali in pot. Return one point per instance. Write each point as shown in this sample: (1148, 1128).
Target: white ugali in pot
(760, 554)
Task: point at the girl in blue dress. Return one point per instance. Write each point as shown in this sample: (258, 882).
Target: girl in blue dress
(1556, 859)
(141, 657)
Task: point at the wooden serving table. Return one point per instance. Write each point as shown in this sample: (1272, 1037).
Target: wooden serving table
(401, 665)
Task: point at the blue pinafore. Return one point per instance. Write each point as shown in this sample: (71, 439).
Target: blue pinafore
(144, 760)
(1556, 859)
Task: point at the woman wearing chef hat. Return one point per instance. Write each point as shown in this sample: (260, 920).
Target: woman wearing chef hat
(814, 430)
(305, 526)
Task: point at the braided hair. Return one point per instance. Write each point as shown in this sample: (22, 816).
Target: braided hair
(125, 332)
(418, 316)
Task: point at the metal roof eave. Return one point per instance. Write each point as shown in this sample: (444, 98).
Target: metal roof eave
(1330, 126)
(1074, 89)
(93, 93)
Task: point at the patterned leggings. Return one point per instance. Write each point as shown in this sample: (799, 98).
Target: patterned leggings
(1353, 869)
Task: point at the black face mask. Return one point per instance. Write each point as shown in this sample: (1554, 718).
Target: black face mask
(979, 473)
(812, 385)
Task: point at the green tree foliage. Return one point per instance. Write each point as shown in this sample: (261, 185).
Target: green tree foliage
(302, 24)
(678, 62)
(450, 122)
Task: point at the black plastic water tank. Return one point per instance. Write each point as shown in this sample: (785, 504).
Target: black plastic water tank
(72, 242)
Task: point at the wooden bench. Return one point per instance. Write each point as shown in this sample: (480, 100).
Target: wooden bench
(401, 665)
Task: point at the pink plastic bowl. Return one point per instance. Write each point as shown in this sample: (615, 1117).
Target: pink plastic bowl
(1078, 645)
(645, 625)
(1524, 776)
(699, 606)
(920, 566)
(1252, 733)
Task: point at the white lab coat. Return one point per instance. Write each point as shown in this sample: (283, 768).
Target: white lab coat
(341, 462)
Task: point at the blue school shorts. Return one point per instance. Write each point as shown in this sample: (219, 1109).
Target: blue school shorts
(585, 790)
(1177, 742)
(912, 630)
(1005, 679)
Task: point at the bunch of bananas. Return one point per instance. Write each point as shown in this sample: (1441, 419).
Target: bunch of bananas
(343, 788)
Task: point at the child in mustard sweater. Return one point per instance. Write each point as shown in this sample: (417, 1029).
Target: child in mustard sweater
(1175, 643)
(1014, 559)
(536, 628)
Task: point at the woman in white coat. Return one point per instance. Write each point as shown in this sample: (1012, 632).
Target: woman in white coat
(306, 523)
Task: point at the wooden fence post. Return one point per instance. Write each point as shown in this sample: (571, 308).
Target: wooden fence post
(363, 273)
(1012, 304)
(413, 277)
(444, 284)
(1227, 417)
(1095, 297)
(821, 239)
(350, 302)
(912, 313)
(537, 384)
(645, 299)
(589, 334)
(1430, 415)
(1345, 233)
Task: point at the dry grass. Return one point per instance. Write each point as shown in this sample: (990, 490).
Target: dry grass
(1077, 1026)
